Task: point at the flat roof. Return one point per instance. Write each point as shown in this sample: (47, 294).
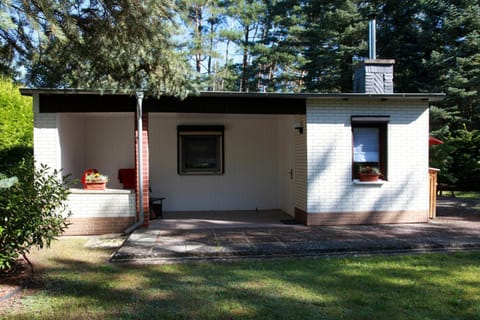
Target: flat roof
(74, 100)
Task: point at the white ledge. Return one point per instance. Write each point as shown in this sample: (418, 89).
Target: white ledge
(375, 183)
(106, 191)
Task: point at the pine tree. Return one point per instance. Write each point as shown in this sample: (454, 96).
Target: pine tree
(99, 44)
(335, 37)
(202, 20)
(277, 56)
(247, 17)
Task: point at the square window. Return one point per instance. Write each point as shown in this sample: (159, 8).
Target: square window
(200, 150)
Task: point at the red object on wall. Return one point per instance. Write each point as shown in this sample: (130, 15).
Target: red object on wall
(85, 174)
(127, 177)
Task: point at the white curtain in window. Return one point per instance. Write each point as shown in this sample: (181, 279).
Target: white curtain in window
(366, 145)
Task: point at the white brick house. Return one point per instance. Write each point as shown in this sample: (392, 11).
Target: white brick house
(280, 151)
(223, 151)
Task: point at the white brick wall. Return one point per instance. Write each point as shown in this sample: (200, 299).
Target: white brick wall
(101, 204)
(46, 139)
(301, 166)
(329, 159)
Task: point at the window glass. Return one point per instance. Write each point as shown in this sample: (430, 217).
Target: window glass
(200, 150)
(366, 145)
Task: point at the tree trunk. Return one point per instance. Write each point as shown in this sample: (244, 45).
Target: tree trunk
(244, 82)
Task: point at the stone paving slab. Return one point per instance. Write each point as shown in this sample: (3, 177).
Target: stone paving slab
(153, 246)
(457, 227)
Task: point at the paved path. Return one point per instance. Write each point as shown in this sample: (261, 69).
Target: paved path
(456, 228)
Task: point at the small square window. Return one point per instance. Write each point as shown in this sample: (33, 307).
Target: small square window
(200, 150)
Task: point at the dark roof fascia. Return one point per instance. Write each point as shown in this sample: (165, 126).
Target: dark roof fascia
(32, 91)
(431, 97)
(71, 100)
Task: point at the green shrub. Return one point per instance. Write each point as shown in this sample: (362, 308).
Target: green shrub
(16, 116)
(32, 210)
(12, 157)
(458, 159)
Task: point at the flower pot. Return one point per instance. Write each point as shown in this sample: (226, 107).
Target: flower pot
(368, 176)
(95, 185)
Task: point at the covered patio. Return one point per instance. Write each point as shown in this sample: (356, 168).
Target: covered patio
(99, 131)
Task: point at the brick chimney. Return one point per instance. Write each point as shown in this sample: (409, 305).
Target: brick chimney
(373, 75)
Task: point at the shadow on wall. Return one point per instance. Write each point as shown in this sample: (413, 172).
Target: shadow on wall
(338, 194)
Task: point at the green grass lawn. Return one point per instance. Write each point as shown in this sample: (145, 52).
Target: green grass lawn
(468, 194)
(474, 195)
(77, 283)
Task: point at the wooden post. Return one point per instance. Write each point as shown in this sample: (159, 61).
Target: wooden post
(432, 212)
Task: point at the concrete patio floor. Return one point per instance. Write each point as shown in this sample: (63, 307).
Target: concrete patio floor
(240, 235)
(220, 219)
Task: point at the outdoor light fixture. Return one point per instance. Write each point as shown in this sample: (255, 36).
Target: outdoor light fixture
(298, 125)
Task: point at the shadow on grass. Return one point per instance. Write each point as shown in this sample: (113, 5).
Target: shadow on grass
(415, 287)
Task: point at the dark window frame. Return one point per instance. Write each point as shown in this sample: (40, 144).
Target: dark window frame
(380, 122)
(184, 133)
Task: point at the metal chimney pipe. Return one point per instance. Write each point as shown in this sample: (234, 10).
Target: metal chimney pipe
(372, 48)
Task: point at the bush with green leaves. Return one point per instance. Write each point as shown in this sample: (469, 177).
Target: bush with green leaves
(16, 117)
(32, 210)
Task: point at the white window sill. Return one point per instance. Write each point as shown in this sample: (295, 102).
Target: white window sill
(378, 182)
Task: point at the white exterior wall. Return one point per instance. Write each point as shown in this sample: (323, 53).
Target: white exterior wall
(286, 171)
(97, 141)
(301, 165)
(46, 139)
(329, 157)
(77, 142)
(72, 142)
(258, 159)
(256, 164)
(101, 204)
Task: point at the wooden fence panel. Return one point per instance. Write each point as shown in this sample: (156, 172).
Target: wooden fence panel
(432, 212)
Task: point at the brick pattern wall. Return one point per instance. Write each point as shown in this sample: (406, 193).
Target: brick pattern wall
(350, 218)
(145, 166)
(329, 160)
(46, 139)
(98, 212)
(94, 226)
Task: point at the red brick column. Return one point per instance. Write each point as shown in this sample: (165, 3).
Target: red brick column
(145, 168)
